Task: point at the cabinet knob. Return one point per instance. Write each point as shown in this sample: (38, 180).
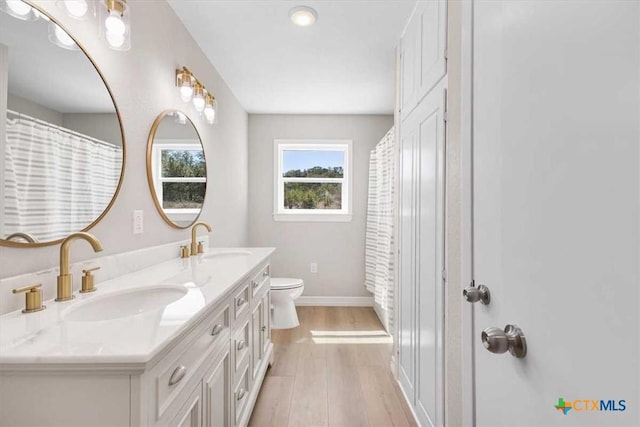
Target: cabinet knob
(217, 328)
(177, 375)
(265, 273)
(264, 328)
(255, 284)
(241, 394)
(240, 345)
(240, 302)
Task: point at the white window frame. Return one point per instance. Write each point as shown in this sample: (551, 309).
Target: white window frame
(156, 165)
(312, 215)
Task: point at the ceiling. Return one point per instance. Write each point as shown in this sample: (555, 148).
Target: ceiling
(343, 64)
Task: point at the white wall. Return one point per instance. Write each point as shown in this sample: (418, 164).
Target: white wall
(337, 247)
(103, 126)
(30, 108)
(142, 83)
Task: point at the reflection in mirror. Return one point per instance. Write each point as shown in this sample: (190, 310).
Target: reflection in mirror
(60, 135)
(176, 169)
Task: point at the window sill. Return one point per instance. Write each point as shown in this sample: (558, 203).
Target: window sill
(297, 217)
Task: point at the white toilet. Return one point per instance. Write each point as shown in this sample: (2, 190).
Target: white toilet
(284, 291)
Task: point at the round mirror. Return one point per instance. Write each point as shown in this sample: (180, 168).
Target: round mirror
(61, 140)
(176, 169)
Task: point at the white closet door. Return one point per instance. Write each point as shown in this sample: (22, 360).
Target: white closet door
(429, 255)
(406, 231)
(432, 23)
(409, 63)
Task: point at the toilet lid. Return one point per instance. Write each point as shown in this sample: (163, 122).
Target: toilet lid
(285, 283)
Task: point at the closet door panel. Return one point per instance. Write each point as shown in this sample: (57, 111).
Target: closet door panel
(406, 283)
(429, 254)
(431, 17)
(409, 63)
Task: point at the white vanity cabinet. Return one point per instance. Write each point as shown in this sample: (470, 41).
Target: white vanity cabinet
(224, 359)
(209, 375)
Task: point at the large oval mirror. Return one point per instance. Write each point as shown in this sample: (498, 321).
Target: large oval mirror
(176, 168)
(61, 139)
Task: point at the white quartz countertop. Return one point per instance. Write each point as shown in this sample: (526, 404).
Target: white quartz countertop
(52, 336)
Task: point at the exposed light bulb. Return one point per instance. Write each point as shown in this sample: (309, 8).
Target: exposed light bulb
(76, 8)
(18, 7)
(186, 92)
(198, 103)
(210, 114)
(114, 40)
(63, 37)
(114, 24)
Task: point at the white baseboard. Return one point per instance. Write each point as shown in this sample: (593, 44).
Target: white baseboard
(336, 301)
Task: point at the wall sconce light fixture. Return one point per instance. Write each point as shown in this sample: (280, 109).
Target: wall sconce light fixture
(185, 82)
(115, 23)
(210, 109)
(192, 90)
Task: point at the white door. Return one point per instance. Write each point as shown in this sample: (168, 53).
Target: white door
(556, 209)
(429, 255)
(407, 272)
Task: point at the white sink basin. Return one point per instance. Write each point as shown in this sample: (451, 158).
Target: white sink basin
(226, 254)
(123, 304)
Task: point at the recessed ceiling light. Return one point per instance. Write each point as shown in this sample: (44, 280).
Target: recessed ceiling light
(303, 16)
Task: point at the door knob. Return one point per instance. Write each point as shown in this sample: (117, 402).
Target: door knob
(498, 341)
(474, 294)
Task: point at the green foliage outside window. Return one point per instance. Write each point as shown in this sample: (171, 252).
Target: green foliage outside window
(313, 195)
(183, 164)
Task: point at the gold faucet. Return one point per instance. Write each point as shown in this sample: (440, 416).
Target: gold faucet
(194, 243)
(65, 279)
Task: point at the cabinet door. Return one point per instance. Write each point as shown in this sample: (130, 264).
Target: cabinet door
(190, 414)
(256, 333)
(431, 19)
(409, 46)
(217, 389)
(430, 256)
(266, 322)
(406, 282)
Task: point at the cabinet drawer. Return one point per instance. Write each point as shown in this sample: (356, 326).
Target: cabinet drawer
(241, 302)
(260, 280)
(178, 367)
(241, 395)
(241, 347)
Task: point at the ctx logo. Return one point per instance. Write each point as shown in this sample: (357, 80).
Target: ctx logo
(586, 405)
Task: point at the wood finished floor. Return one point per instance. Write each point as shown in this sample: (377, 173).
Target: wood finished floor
(331, 371)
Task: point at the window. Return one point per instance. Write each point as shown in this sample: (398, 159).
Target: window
(313, 180)
(180, 175)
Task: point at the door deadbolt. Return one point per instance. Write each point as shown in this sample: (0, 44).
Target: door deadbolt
(498, 341)
(474, 294)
